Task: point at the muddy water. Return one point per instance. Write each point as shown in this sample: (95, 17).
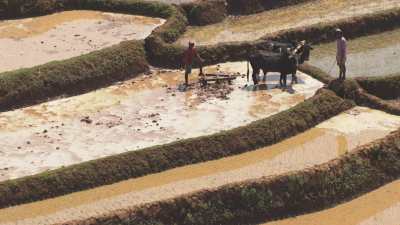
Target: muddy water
(252, 27)
(145, 111)
(34, 41)
(379, 207)
(327, 141)
(374, 55)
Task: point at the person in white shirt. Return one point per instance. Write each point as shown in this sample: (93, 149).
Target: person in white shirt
(341, 53)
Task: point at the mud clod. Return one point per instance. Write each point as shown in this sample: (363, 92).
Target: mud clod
(87, 120)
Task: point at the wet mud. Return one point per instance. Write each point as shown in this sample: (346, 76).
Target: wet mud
(321, 144)
(379, 207)
(149, 110)
(374, 55)
(252, 27)
(35, 41)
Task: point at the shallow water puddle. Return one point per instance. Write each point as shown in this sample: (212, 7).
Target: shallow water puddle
(252, 27)
(34, 41)
(145, 111)
(379, 207)
(374, 55)
(325, 142)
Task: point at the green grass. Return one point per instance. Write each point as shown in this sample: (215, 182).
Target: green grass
(133, 164)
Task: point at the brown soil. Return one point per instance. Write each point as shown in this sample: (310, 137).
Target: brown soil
(378, 207)
(149, 110)
(252, 27)
(34, 41)
(335, 137)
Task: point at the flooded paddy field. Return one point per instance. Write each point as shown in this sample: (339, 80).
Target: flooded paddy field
(379, 207)
(146, 111)
(374, 55)
(252, 27)
(34, 41)
(321, 144)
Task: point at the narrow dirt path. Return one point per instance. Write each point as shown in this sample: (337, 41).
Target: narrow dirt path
(252, 27)
(327, 141)
(379, 207)
(146, 111)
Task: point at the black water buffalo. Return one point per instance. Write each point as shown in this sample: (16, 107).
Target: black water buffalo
(282, 57)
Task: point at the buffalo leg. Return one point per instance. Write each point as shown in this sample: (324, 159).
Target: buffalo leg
(282, 80)
(255, 76)
(265, 75)
(294, 78)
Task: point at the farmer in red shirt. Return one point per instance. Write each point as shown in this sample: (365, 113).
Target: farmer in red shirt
(188, 58)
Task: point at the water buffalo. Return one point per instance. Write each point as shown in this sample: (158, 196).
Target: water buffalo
(283, 58)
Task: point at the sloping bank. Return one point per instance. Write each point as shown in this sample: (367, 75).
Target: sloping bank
(255, 6)
(387, 87)
(266, 199)
(83, 73)
(264, 132)
(372, 92)
(163, 52)
(200, 13)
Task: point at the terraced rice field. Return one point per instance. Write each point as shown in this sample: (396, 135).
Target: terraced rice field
(145, 111)
(155, 108)
(321, 144)
(374, 55)
(381, 206)
(34, 41)
(253, 27)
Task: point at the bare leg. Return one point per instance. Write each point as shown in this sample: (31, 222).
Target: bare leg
(186, 79)
(294, 78)
(343, 71)
(284, 80)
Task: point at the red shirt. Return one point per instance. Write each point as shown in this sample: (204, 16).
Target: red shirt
(188, 56)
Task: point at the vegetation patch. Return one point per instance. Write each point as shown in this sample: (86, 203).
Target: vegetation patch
(363, 91)
(165, 54)
(266, 199)
(28, 8)
(264, 132)
(254, 6)
(202, 13)
(86, 72)
(316, 73)
(71, 76)
(387, 87)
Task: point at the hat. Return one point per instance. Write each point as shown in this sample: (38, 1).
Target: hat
(338, 30)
